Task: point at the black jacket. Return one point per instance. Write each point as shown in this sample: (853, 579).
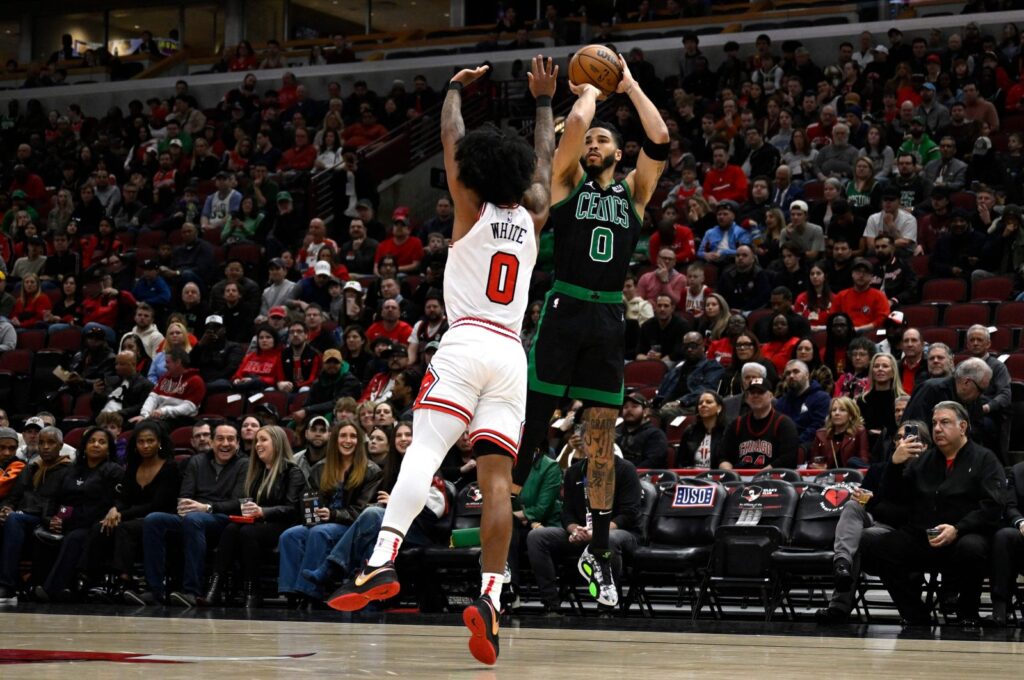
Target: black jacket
(970, 496)
(89, 492)
(645, 447)
(931, 392)
(1014, 495)
(324, 392)
(669, 338)
(206, 482)
(132, 396)
(217, 362)
(281, 502)
(897, 280)
(160, 495)
(346, 504)
(625, 508)
(37, 500)
(691, 441)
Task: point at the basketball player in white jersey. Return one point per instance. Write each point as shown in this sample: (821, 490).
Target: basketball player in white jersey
(477, 379)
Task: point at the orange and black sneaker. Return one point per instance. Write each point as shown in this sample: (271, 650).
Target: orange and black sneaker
(482, 620)
(380, 583)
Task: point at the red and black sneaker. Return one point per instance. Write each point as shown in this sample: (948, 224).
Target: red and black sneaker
(380, 583)
(482, 621)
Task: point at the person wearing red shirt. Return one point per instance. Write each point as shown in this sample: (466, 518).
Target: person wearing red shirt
(724, 182)
(367, 130)
(407, 249)
(679, 238)
(867, 307)
(390, 325)
(379, 386)
(664, 280)
(31, 306)
(300, 157)
(260, 369)
(28, 182)
(913, 367)
(288, 93)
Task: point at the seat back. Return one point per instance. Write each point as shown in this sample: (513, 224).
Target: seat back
(648, 499)
(688, 513)
(743, 551)
(659, 477)
(817, 515)
(720, 475)
(469, 505)
(839, 476)
(777, 473)
(643, 373)
(775, 500)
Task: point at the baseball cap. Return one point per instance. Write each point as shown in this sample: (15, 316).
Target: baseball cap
(855, 110)
(283, 196)
(215, 319)
(332, 355)
(322, 268)
(37, 241)
(150, 264)
(396, 348)
(862, 263)
(177, 142)
(637, 398)
(96, 332)
(353, 285)
(278, 311)
(8, 433)
(18, 193)
(363, 203)
(760, 384)
(400, 214)
(726, 205)
(432, 346)
(933, 59)
(890, 191)
(318, 420)
(277, 262)
(928, 86)
(918, 120)
(34, 421)
(880, 48)
(799, 205)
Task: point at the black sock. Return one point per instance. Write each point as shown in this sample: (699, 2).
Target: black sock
(602, 520)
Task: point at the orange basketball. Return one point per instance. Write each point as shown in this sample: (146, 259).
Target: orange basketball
(597, 65)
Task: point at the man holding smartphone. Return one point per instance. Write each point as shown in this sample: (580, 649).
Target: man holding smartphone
(953, 491)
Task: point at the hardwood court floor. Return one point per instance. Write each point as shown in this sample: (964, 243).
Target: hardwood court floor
(235, 648)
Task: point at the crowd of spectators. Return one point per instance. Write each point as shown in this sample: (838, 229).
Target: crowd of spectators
(177, 240)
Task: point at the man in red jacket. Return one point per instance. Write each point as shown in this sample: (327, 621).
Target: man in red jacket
(300, 157)
(724, 181)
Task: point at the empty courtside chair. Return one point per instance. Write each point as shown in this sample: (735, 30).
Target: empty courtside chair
(681, 533)
(757, 520)
(786, 474)
(840, 476)
(448, 566)
(807, 559)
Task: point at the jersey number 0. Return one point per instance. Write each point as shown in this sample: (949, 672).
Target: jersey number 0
(501, 281)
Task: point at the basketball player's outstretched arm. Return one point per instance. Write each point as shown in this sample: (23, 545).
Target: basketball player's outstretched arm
(467, 204)
(567, 171)
(644, 179)
(543, 79)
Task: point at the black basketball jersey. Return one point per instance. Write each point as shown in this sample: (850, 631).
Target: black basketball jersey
(596, 232)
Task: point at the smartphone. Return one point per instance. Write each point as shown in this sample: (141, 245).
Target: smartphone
(911, 431)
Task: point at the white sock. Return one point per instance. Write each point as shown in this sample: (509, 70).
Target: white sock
(388, 543)
(490, 586)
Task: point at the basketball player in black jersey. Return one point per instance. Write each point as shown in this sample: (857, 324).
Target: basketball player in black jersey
(579, 347)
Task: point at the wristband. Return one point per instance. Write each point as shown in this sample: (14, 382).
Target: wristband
(543, 100)
(656, 152)
(455, 85)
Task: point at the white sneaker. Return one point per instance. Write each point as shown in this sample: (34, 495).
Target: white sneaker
(598, 574)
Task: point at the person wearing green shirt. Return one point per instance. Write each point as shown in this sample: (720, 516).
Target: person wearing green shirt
(538, 505)
(174, 131)
(920, 143)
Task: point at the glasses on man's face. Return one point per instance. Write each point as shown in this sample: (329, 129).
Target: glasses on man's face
(744, 344)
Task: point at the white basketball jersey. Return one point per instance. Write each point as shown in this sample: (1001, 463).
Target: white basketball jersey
(488, 272)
